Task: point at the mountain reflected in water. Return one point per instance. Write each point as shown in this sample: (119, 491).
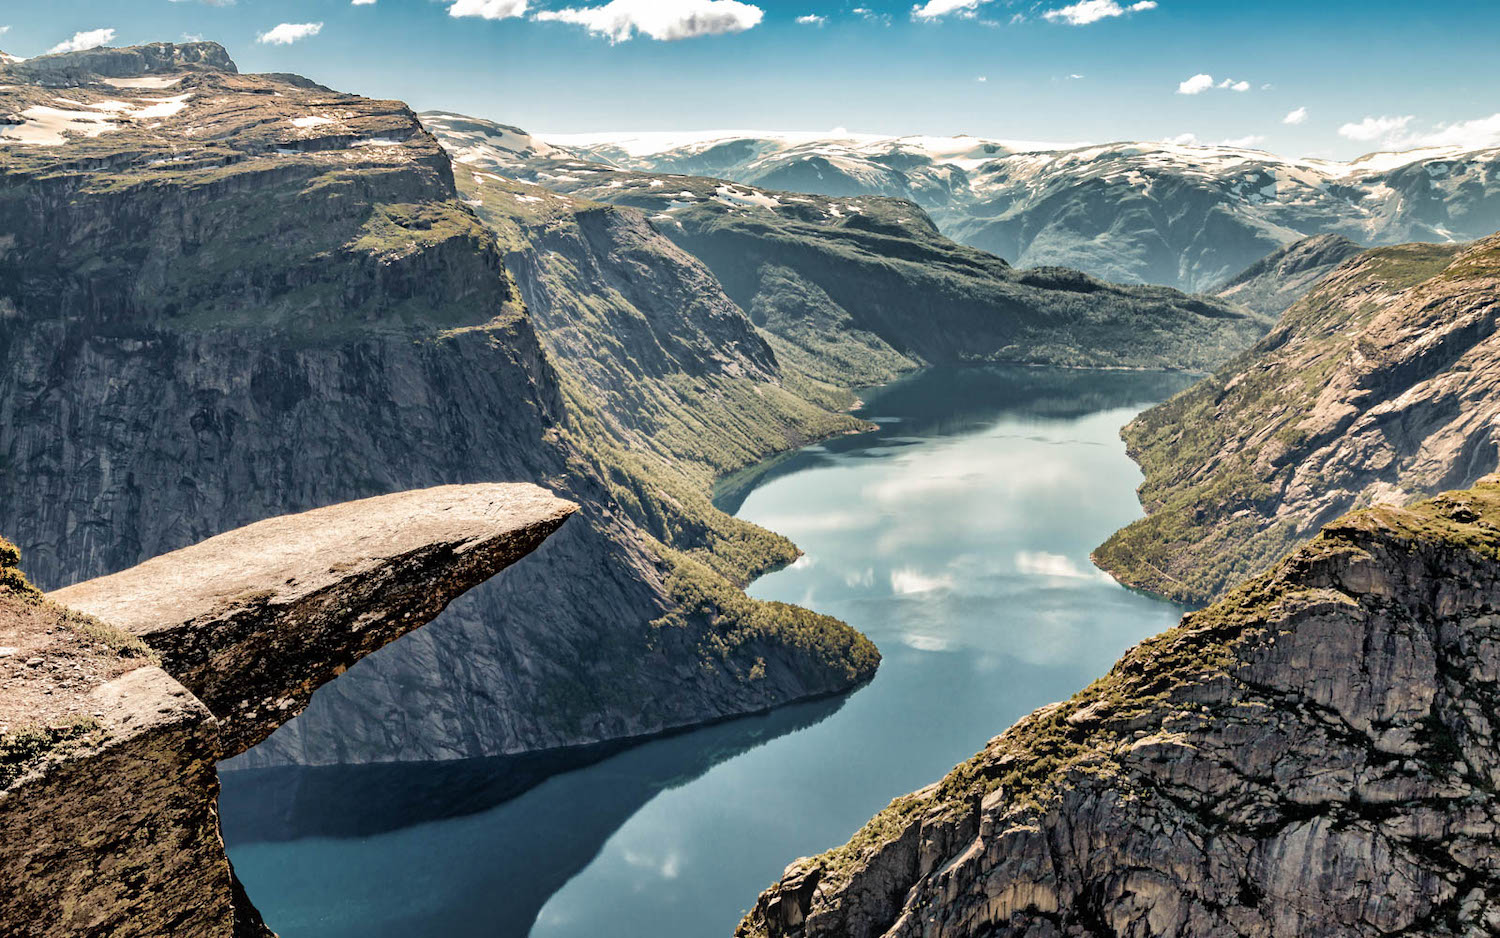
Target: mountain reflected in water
(956, 535)
(473, 847)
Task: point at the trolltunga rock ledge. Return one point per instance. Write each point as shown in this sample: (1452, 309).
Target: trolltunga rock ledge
(118, 696)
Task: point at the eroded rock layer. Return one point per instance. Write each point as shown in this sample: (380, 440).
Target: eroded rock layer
(1314, 755)
(1381, 386)
(108, 787)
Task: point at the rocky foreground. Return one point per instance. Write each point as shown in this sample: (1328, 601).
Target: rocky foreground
(1313, 755)
(1380, 387)
(121, 694)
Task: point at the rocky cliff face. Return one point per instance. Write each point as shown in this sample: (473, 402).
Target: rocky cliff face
(108, 793)
(855, 290)
(1271, 285)
(1186, 216)
(1378, 388)
(211, 365)
(1314, 755)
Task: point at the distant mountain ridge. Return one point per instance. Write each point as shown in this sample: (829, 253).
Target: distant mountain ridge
(854, 289)
(1183, 216)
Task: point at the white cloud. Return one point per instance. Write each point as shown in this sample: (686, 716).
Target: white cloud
(933, 9)
(288, 33)
(4, 30)
(665, 20)
(812, 19)
(1247, 142)
(1183, 140)
(1085, 12)
(1396, 133)
(1388, 129)
(1470, 134)
(1042, 563)
(213, 3)
(488, 9)
(982, 78)
(1075, 76)
(1202, 82)
(1196, 85)
(90, 39)
(1299, 116)
(906, 581)
(361, 3)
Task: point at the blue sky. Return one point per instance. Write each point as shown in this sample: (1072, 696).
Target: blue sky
(1370, 75)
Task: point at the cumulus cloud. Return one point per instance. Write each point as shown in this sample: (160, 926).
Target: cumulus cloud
(1377, 128)
(1085, 12)
(1200, 83)
(89, 39)
(933, 9)
(362, 3)
(1196, 85)
(1248, 141)
(1183, 140)
(812, 19)
(288, 33)
(664, 20)
(1397, 133)
(1299, 116)
(488, 9)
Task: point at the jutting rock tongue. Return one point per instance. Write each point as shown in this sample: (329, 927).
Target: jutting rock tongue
(108, 791)
(1314, 755)
(253, 621)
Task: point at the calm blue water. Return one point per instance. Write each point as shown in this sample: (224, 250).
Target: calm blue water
(956, 536)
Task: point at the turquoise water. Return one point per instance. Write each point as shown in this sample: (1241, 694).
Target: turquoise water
(956, 536)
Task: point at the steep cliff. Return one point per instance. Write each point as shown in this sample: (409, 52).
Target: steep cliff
(854, 290)
(1314, 755)
(226, 297)
(1281, 278)
(1378, 388)
(108, 794)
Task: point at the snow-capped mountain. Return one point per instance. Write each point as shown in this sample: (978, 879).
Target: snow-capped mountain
(1188, 216)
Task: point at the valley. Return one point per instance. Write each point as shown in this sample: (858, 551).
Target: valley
(414, 524)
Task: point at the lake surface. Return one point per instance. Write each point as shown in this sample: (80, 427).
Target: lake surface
(956, 536)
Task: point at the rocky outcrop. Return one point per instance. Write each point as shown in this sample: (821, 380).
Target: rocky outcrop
(1133, 212)
(1380, 387)
(1314, 755)
(853, 290)
(1281, 278)
(253, 638)
(181, 362)
(120, 695)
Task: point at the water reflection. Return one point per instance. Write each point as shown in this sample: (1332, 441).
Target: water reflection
(957, 536)
(449, 849)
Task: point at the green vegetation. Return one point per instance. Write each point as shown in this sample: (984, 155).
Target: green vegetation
(117, 640)
(12, 581)
(23, 748)
(1218, 457)
(1030, 763)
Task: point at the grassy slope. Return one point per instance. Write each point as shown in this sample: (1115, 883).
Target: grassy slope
(657, 427)
(1218, 456)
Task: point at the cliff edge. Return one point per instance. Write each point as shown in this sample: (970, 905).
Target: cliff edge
(1313, 755)
(118, 696)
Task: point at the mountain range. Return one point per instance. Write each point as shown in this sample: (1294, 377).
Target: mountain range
(1182, 215)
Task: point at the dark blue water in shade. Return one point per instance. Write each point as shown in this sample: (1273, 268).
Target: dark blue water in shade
(956, 536)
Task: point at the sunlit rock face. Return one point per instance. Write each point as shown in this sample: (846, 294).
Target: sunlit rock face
(1313, 755)
(121, 694)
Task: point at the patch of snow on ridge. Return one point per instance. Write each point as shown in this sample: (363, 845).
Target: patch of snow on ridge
(49, 126)
(312, 120)
(149, 81)
(732, 195)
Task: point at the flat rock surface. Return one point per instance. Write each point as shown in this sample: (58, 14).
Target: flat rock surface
(296, 556)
